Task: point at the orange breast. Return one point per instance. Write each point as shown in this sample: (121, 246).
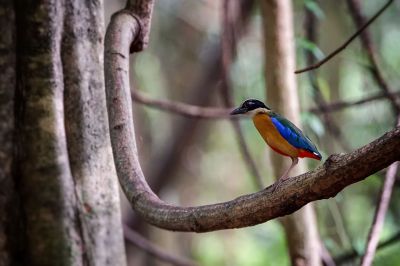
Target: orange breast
(272, 136)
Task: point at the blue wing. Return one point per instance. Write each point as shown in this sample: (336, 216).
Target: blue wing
(293, 134)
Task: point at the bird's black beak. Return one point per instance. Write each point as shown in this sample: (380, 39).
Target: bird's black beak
(238, 111)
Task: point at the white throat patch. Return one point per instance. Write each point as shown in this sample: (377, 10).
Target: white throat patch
(259, 110)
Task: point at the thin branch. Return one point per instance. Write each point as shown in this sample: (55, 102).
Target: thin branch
(390, 176)
(195, 111)
(359, 19)
(184, 109)
(346, 258)
(148, 247)
(326, 181)
(339, 105)
(344, 45)
(326, 256)
(339, 222)
(379, 217)
(228, 47)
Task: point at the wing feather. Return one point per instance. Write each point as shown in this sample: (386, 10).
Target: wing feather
(293, 134)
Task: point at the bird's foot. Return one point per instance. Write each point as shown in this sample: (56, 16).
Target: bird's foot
(276, 185)
(279, 182)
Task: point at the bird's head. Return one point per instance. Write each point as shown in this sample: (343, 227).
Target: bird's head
(251, 107)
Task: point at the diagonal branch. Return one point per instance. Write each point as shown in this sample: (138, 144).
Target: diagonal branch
(380, 212)
(150, 248)
(344, 45)
(326, 181)
(346, 258)
(359, 19)
(379, 217)
(390, 177)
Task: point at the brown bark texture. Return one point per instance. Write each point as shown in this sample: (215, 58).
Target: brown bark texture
(301, 227)
(8, 212)
(66, 180)
(326, 181)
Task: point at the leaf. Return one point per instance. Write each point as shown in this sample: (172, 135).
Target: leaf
(314, 123)
(314, 8)
(310, 46)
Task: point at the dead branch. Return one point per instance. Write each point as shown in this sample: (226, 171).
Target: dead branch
(326, 181)
(344, 45)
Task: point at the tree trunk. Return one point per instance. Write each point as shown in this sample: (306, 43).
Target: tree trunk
(8, 200)
(66, 179)
(301, 229)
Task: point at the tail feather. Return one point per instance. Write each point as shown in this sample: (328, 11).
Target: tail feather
(309, 154)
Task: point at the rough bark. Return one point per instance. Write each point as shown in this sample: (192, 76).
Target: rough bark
(301, 227)
(67, 185)
(7, 91)
(142, 11)
(326, 181)
(87, 133)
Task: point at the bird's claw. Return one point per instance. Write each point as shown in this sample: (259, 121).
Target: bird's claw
(276, 185)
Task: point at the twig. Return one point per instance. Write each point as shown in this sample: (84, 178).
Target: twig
(195, 111)
(339, 105)
(390, 176)
(326, 181)
(359, 19)
(326, 256)
(345, 258)
(379, 217)
(183, 109)
(150, 248)
(228, 44)
(343, 46)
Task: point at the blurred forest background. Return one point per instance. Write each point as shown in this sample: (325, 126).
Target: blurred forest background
(59, 193)
(191, 162)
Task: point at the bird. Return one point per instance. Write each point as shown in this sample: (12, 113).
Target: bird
(279, 133)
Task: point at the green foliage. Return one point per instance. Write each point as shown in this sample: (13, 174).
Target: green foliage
(310, 47)
(313, 6)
